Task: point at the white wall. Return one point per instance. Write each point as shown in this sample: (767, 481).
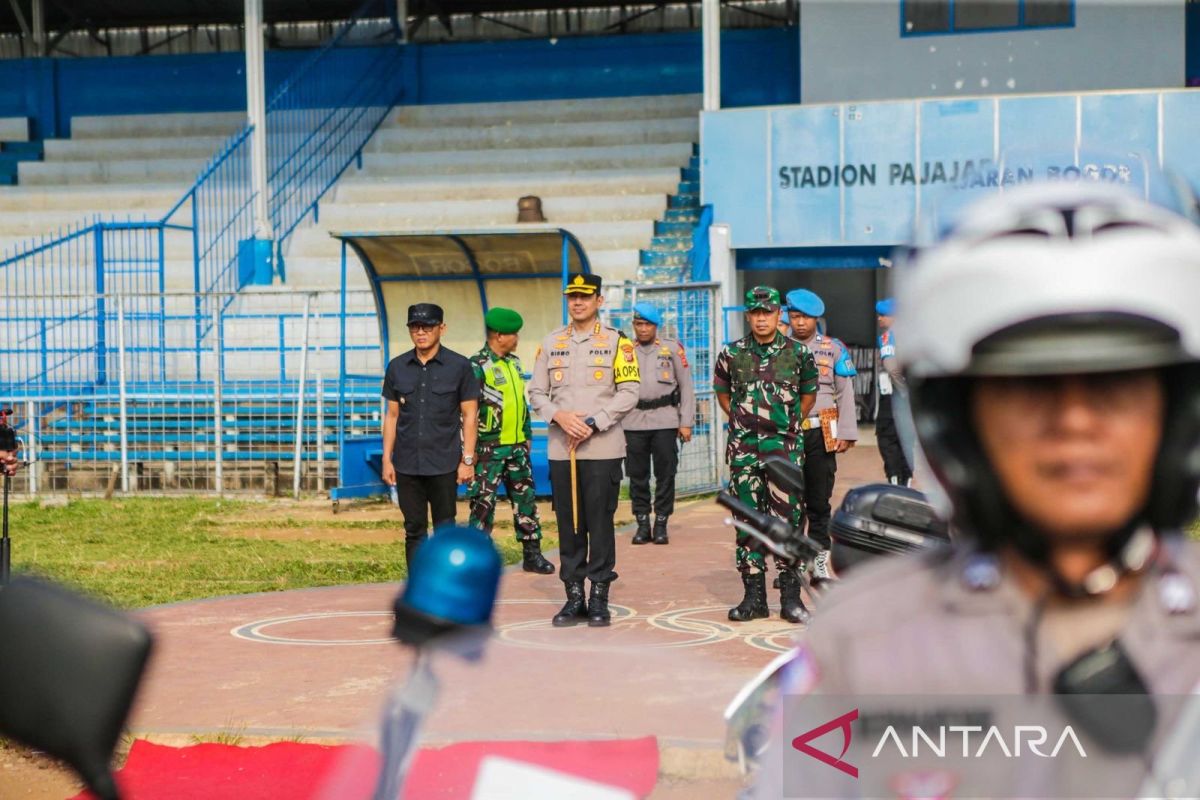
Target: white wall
(852, 50)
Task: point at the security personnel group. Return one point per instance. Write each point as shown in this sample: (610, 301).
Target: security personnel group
(616, 406)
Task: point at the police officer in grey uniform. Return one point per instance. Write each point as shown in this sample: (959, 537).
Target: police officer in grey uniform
(585, 380)
(1052, 352)
(664, 416)
(835, 389)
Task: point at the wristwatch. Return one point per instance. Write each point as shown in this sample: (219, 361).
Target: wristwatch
(591, 423)
(469, 460)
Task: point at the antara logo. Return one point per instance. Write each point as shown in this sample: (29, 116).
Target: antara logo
(801, 742)
(977, 741)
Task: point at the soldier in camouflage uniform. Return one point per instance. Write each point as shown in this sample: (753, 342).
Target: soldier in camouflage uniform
(766, 383)
(505, 435)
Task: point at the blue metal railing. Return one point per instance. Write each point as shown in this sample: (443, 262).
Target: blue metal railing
(55, 319)
(316, 128)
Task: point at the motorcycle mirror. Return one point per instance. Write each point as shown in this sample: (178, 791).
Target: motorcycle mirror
(68, 676)
(785, 474)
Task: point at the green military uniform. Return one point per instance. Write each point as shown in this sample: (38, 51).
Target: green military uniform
(505, 434)
(765, 383)
(505, 437)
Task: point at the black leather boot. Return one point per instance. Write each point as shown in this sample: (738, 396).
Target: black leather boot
(534, 560)
(754, 603)
(598, 615)
(575, 610)
(660, 530)
(643, 529)
(791, 606)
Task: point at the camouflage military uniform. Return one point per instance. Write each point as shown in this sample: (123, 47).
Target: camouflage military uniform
(505, 434)
(765, 384)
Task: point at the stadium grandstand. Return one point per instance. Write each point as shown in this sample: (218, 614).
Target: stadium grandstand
(175, 195)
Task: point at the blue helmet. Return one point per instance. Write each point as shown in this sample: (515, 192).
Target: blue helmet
(886, 308)
(452, 585)
(806, 302)
(647, 312)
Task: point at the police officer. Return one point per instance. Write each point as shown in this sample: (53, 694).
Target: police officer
(505, 436)
(663, 417)
(835, 389)
(891, 382)
(766, 383)
(1052, 352)
(585, 379)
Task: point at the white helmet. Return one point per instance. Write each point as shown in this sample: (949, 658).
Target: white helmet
(1052, 279)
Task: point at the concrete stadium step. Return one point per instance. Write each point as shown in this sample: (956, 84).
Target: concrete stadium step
(138, 125)
(483, 213)
(277, 299)
(620, 235)
(563, 134)
(33, 223)
(479, 162)
(367, 188)
(166, 170)
(14, 129)
(81, 200)
(130, 148)
(547, 111)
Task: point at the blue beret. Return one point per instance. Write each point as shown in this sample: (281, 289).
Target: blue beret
(885, 308)
(647, 312)
(806, 302)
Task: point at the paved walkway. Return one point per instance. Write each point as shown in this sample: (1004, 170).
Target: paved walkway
(316, 663)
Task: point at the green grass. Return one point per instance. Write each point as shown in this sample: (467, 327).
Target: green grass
(148, 551)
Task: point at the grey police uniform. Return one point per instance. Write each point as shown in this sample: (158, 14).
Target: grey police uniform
(956, 624)
(666, 402)
(593, 373)
(835, 389)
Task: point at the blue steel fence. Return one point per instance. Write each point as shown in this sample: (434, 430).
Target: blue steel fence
(260, 401)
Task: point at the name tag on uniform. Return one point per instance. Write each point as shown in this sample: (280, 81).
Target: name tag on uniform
(885, 383)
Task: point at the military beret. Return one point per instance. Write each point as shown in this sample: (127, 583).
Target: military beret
(647, 312)
(806, 302)
(885, 308)
(503, 320)
(764, 298)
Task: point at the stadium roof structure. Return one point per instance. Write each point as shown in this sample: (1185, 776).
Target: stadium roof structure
(95, 14)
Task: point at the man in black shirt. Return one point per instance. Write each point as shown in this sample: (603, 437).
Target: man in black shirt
(430, 427)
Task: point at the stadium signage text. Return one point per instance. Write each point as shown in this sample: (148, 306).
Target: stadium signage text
(962, 174)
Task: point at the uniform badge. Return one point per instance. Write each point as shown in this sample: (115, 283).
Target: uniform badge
(498, 376)
(664, 352)
(682, 357)
(666, 375)
(558, 362)
(598, 375)
(599, 360)
(558, 375)
(627, 349)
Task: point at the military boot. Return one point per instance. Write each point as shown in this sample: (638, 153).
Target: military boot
(534, 560)
(643, 529)
(754, 603)
(660, 530)
(575, 610)
(791, 606)
(598, 616)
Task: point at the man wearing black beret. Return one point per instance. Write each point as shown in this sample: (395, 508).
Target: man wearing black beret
(430, 427)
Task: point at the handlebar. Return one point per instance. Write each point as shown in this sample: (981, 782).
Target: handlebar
(782, 537)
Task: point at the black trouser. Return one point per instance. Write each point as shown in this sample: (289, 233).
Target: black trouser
(820, 468)
(420, 494)
(590, 551)
(641, 448)
(886, 436)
